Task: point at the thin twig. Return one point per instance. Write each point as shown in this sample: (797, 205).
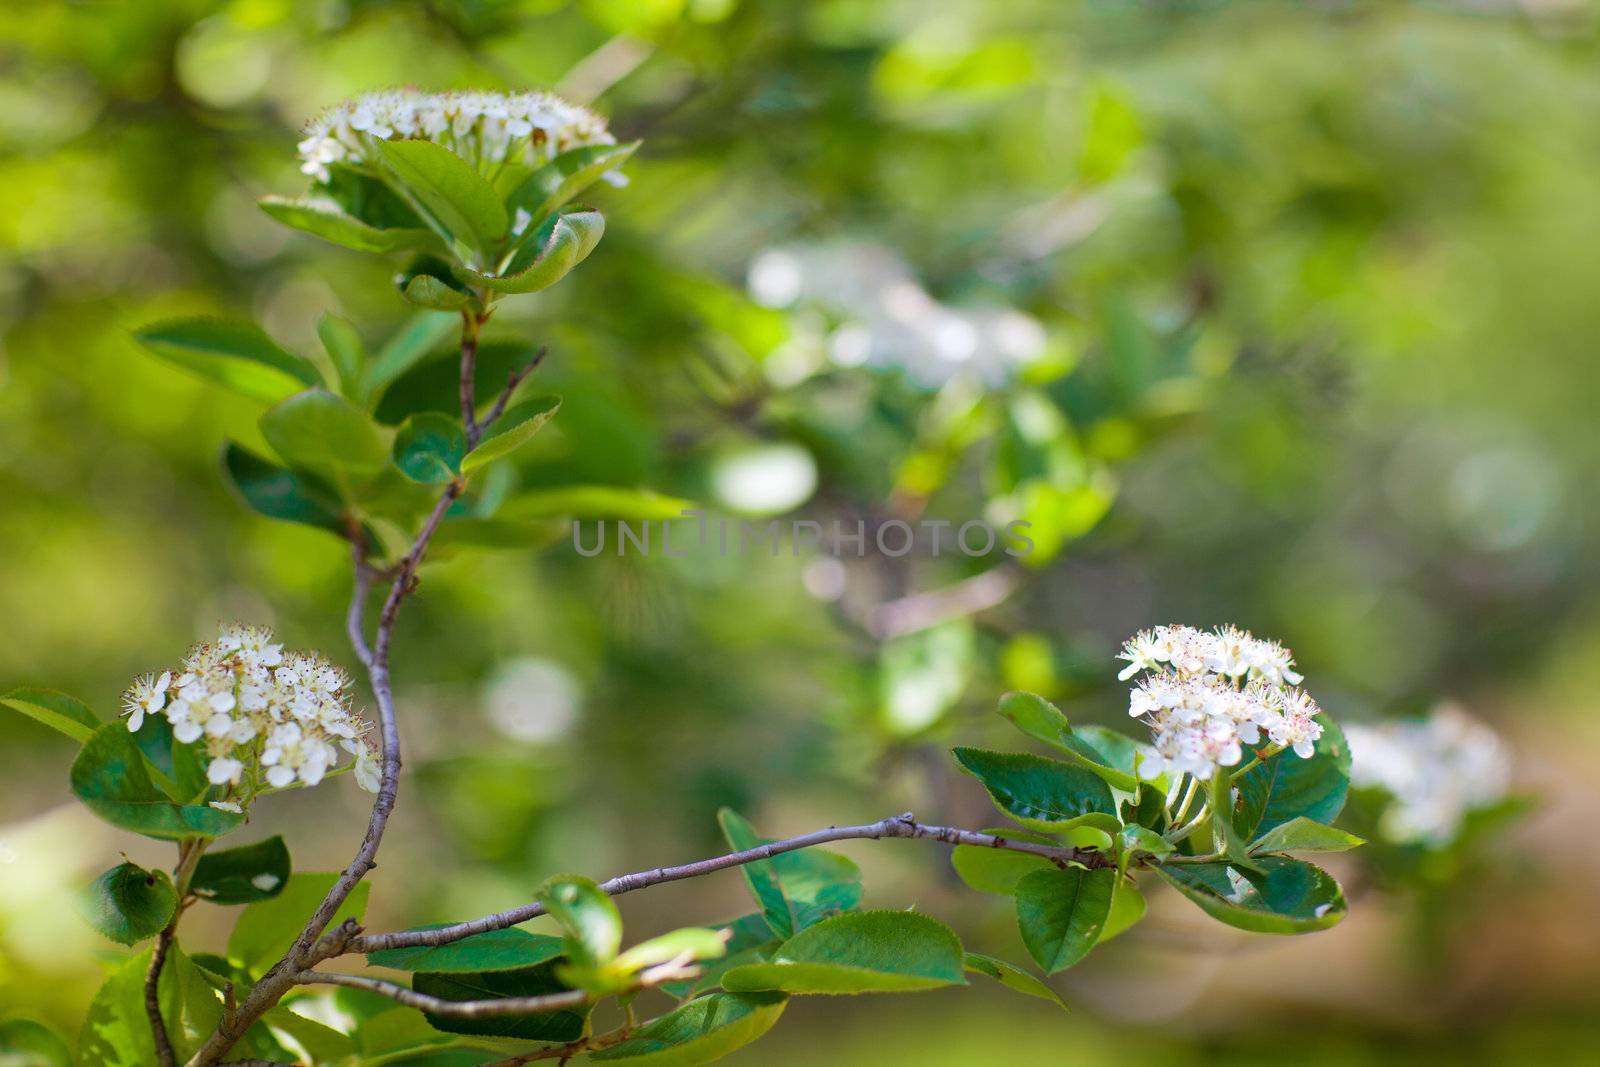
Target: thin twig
(919, 611)
(469, 376)
(454, 1009)
(514, 379)
(897, 826)
(152, 1000)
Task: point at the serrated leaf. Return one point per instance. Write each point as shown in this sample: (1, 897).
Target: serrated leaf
(237, 355)
(699, 1032)
(563, 241)
(128, 903)
(1279, 896)
(859, 952)
(327, 220)
(510, 432)
(589, 918)
(448, 192)
(322, 432)
(496, 950)
(60, 712)
(266, 929)
(557, 1026)
(243, 875)
(111, 779)
(1062, 913)
(1012, 977)
(429, 446)
(1301, 834)
(1040, 793)
(1285, 787)
(567, 175)
(760, 876)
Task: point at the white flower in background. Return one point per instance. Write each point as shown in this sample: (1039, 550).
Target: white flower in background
(488, 130)
(1437, 769)
(886, 319)
(1206, 695)
(265, 718)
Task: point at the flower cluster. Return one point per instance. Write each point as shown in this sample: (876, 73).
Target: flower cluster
(1207, 694)
(1437, 769)
(265, 717)
(486, 129)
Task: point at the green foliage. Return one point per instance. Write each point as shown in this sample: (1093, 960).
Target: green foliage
(565, 1025)
(761, 875)
(1301, 834)
(327, 435)
(243, 875)
(567, 175)
(1286, 787)
(496, 950)
(112, 778)
(561, 242)
(447, 192)
(117, 1032)
(279, 493)
(510, 431)
(26, 1043)
(1277, 895)
(703, 1030)
(429, 447)
(343, 344)
(858, 952)
(325, 219)
(994, 870)
(58, 711)
(128, 903)
(1040, 793)
(266, 929)
(236, 355)
(1040, 719)
(1012, 977)
(1062, 913)
(588, 917)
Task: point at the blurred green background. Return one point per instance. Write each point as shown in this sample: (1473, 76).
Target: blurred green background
(1269, 313)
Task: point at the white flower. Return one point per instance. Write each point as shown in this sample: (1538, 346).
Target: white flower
(223, 770)
(369, 775)
(1436, 769)
(146, 696)
(488, 130)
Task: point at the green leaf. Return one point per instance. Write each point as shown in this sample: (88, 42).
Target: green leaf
(510, 431)
(266, 929)
(567, 175)
(429, 447)
(1111, 755)
(327, 220)
(588, 917)
(366, 196)
(750, 940)
(1041, 793)
(233, 354)
(761, 876)
(701, 1031)
(691, 943)
(117, 1033)
(326, 434)
(429, 283)
(593, 502)
(496, 950)
(448, 192)
(25, 1043)
(313, 1041)
(1140, 840)
(408, 347)
(394, 1034)
(1285, 787)
(58, 711)
(128, 903)
(243, 875)
(859, 952)
(557, 1026)
(563, 241)
(1062, 913)
(110, 777)
(434, 383)
(1282, 896)
(344, 348)
(1127, 908)
(1300, 834)
(994, 870)
(1012, 977)
(279, 493)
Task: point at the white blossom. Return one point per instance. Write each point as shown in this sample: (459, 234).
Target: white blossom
(1207, 695)
(1437, 769)
(488, 130)
(264, 717)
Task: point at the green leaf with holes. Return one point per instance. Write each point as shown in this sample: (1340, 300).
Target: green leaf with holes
(1062, 913)
(243, 875)
(236, 355)
(859, 952)
(128, 903)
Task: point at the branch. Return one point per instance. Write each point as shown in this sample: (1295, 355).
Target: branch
(897, 826)
(152, 1000)
(454, 1009)
(514, 379)
(469, 376)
